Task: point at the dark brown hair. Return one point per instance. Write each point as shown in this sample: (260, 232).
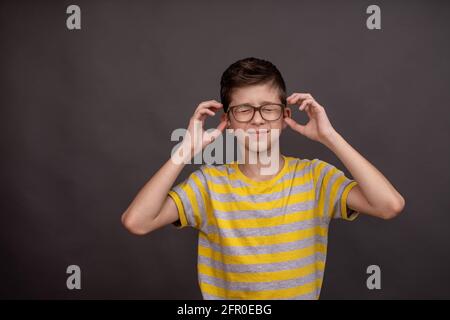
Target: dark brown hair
(250, 71)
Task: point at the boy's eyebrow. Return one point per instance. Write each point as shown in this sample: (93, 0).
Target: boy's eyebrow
(262, 102)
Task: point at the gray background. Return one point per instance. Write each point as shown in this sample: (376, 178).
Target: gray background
(86, 118)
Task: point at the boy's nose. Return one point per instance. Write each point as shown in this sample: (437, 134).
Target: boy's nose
(257, 119)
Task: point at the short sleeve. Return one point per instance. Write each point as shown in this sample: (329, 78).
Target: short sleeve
(192, 200)
(331, 191)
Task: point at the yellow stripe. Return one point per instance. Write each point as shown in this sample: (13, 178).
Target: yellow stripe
(205, 200)
(333, 194)
(193, 203)
(214, 172)
(267, 222)
(323, 188)
(266, 239)
(267, 205)
(344, 213)
(179, 204)
(261, 276)
(266, 294)
(264, 257)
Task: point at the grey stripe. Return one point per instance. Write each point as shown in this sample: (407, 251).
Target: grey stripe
(331, 181)
(264, 249)
(239, 183)
(225, 181)
(267, 213)
(262, 267)
(289, 191)
(337, 212)
(207, 296)
(307, 296)
(260, 286)
(266, 231)
(222, 167)
(320, 180)
(186, 204)
(289, 175)
(198, 199)
(315, 162)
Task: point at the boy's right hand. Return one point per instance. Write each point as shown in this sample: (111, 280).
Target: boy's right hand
(196, 138)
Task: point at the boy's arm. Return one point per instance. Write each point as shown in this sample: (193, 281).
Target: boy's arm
(373, 194)
(152, 208)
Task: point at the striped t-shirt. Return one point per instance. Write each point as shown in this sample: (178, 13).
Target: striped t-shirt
(262, 239)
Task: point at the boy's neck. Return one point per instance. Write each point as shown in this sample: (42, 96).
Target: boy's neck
(254, 170)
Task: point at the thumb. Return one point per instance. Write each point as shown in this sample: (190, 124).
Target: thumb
(212, 135)
(222, 125)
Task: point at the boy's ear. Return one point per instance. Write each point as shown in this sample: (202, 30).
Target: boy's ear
(287, 114)
(223, 117)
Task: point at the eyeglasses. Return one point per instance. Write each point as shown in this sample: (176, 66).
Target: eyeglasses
(246, 112)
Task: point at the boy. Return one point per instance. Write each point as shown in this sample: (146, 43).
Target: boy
(262, 236)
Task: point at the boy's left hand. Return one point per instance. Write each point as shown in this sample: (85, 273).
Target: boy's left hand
(318, 127)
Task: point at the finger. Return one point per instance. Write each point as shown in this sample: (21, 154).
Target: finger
(304, 96)
(295, 125)
(308, 111)
(315, 108)
(222, 125)
(290, 97)
(210, 104)
(217, 131)
(201, 114)
(209, 136)
(207, 111)
(296, 98)
(206, 105)
(305, 103)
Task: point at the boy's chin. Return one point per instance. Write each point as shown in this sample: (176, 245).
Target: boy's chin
(254, 148)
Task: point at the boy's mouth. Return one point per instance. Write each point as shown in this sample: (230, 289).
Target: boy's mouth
(258, 133)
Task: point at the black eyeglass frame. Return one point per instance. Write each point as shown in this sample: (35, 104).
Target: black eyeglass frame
(282, 105)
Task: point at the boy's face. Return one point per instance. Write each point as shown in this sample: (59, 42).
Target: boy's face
(256, 95)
